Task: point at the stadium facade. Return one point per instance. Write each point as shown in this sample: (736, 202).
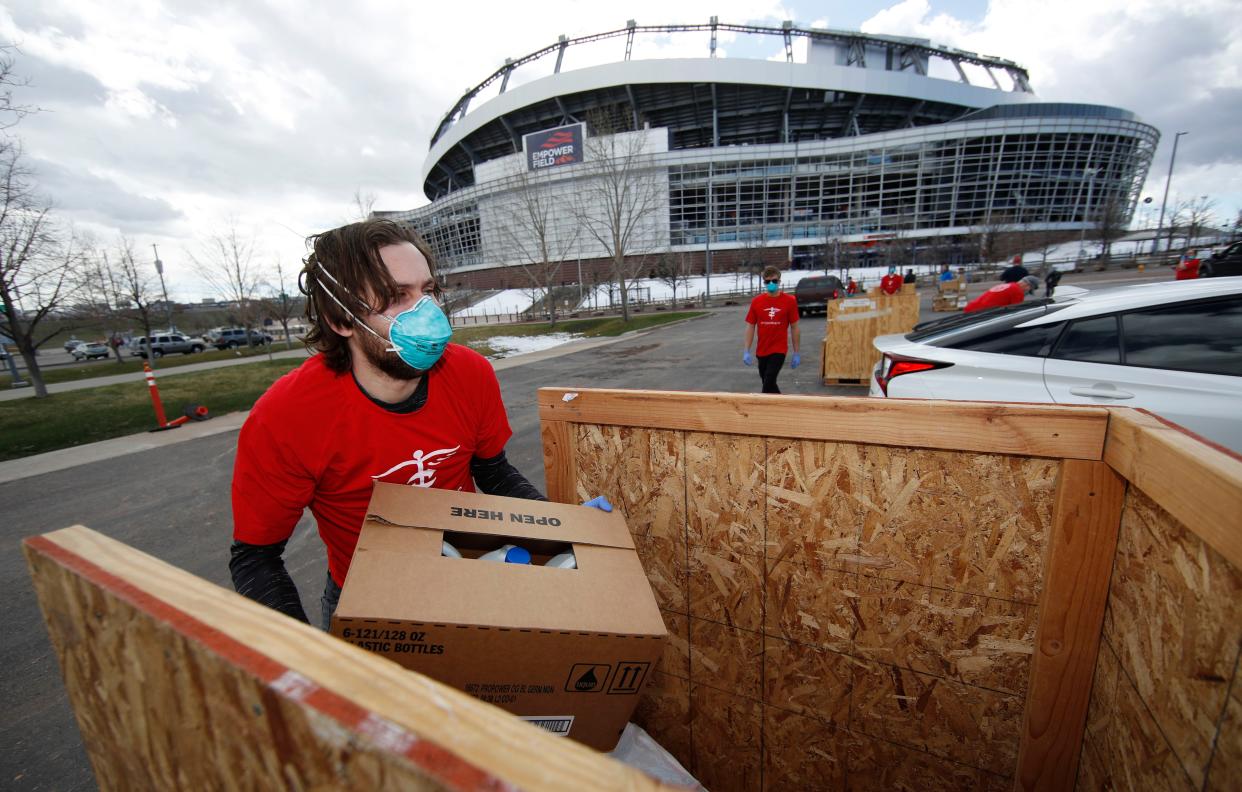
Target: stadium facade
(863, 140)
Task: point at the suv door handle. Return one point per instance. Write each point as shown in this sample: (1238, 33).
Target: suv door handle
(1102, 393)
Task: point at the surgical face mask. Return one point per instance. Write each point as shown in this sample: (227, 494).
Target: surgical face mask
(772, 287)
(418, 335)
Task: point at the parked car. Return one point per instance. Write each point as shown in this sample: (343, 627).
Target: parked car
(167, 344)
(1174, 348)
(72, 342)
(1225, 263)
(233, 337)
(88, 350)
(814, 293)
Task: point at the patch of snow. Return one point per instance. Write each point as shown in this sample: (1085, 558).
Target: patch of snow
(507, 346)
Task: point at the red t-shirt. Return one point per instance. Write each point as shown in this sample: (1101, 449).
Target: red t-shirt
(891, 284)
(772, 314)
(998, 295)
(1187, 269)
(315, 440)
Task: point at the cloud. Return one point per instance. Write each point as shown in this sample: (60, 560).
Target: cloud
(101, 200)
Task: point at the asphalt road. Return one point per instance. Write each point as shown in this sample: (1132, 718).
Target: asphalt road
(173, 502)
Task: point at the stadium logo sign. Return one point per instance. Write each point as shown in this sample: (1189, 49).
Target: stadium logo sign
(552, 147)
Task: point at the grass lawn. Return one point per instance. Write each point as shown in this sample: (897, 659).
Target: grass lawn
(62, 420)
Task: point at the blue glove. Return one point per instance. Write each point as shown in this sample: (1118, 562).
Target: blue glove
(599, 502)
(793, 363)
(746, 358)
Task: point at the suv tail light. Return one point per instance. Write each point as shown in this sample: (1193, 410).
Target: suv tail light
(893, 366)
(835, 294)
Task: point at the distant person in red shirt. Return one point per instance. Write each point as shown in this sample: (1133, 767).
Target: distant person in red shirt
(1003, 294)
(891, 283)
(1187, 268)
(852, 287)
(775, 313)
(386, 398)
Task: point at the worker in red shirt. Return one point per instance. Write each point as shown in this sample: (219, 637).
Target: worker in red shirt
(775, 313)
(1003, 294)
(891, 283)
(1187, 268)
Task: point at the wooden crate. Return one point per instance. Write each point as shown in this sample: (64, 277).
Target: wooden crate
(848, 353)
(861, 594)
(911, 595)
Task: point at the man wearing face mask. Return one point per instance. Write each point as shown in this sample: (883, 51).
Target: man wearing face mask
(386, 399)
(775, 313)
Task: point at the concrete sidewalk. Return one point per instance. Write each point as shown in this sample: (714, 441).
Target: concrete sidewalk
(16, 469)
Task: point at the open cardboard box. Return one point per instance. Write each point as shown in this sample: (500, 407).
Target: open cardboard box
(567, 649)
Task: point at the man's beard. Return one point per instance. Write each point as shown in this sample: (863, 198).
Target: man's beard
(389, 363)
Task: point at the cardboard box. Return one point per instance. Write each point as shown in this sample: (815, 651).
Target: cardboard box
(568, 649)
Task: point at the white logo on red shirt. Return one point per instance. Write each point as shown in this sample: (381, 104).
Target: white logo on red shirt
(424, 466)
(772, 312)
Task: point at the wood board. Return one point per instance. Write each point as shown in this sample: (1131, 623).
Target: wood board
(1043, 430)
(855, 322)
(179, 684)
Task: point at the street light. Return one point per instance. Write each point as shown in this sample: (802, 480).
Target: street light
(1155, 243)
(1089, 173)
(159, 267)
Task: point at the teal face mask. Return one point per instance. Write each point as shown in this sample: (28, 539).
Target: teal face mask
(418, 335)
(772, 287)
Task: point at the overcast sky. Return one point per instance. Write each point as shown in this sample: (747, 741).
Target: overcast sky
(167, 120)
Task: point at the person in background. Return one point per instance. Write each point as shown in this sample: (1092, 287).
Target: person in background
(945, 273)
(387, 398)
(909, 277)
(1187, 267)
(851, 287)
(1015, 272)
(1003, 294)
(1051, 280)
(775, 314)
(891, 283)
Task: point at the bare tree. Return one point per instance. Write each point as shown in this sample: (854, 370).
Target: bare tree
(136, 289)
(226, 263)
(1111, 226)
(362, 205)
(280, 305)
(39, 265)
(102, 289)
(620, 198)
(674, 269)
(534, 233)
(1194, 215)
(11, 112)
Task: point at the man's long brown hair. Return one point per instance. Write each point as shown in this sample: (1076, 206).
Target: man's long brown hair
(350, 254)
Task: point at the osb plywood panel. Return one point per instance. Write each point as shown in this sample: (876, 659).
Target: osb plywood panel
(974, 523)
(1175, 619)
(664, 711)
(878, 766)
(802, 753)
(726, 738)
(725, 481)
(664, 561)
(727, 586)
(960, 722)
(726, 658)
(813, 506)
(1226, 768)
(811, 604)
(807, 680)
(676, 658)
(1123, 748)
(639, 470)
(978, 640)
(852, 326)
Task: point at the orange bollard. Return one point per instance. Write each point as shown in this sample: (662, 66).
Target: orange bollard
(160, 419)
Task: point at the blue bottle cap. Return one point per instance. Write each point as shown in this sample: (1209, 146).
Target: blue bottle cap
(517, 555)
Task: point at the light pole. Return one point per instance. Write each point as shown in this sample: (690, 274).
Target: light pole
(159, 267)
(1155, 244)
(1089, 173)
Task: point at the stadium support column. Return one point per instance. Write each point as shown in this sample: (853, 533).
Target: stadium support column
(707, 263)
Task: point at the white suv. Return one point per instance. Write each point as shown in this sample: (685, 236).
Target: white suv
(1174, 348)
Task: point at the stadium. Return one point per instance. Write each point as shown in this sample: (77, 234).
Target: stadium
(850, 146)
